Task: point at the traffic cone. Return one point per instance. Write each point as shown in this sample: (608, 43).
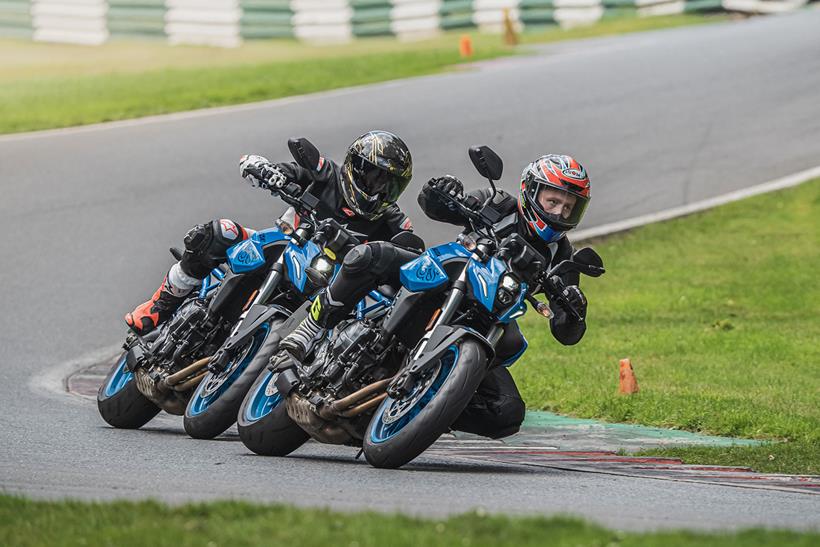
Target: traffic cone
(465, 46)
(628, 384)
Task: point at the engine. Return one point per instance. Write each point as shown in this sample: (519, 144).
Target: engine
(344, 383)
(355, 351)
(184, 334)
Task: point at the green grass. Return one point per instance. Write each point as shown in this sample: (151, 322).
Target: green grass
(720, 314)
(31, 523)
(47, 86)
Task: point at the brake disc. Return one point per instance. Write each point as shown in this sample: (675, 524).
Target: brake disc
(401, 407)
(213, 382)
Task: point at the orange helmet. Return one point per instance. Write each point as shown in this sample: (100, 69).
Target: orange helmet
(554, 195)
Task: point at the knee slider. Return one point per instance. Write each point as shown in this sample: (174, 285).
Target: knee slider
(199, 238)
(358, 259)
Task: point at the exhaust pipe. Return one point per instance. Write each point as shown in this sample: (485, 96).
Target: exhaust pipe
(173, 379)
(364, 398)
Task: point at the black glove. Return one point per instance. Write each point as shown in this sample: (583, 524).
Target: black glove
(259, 171)
(447, 184)
(575, 297)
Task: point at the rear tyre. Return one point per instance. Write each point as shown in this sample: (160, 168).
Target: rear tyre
(263, 421)
(400, 430)
(120, 402)
(216, 401)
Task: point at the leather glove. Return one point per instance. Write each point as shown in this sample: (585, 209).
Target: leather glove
(447, 184)
(576, 299)
(259, 171)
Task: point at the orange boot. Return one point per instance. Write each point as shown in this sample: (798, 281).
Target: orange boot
(149, 315)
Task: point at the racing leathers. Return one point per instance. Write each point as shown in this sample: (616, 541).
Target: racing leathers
(206, 244)
(497, 410)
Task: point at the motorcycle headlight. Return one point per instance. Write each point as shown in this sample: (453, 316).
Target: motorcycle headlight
(508, 290)
(323, 265)
(320, 271)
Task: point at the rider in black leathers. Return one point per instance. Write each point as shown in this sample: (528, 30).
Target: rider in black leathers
(361, 194)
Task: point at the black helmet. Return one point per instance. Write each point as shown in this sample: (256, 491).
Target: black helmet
(376, 170)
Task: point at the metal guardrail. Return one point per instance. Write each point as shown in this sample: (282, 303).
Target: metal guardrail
(228, 22)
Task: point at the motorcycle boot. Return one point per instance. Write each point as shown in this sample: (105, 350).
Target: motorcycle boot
(163, 304)
(324, 314)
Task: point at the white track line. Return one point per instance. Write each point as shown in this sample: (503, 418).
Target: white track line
(623, 225)
(52, 381)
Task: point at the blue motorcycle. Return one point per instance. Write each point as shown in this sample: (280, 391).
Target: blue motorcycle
(203, 360)
(394, 378)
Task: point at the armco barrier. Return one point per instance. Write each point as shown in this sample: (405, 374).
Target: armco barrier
(15, 18)
(228, 22)
(136, 18)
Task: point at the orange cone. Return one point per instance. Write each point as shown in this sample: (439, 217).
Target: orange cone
(629, 384)
(465, 46)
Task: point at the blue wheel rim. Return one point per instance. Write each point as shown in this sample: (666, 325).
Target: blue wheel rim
(120, 377)
(261, 404)
(200, 402)
(381, 431)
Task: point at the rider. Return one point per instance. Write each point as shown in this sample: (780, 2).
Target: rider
(361, 193)
(553, 195)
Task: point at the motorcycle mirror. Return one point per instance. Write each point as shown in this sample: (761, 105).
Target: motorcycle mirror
(589, 262)
(304, 153)
(487, 163)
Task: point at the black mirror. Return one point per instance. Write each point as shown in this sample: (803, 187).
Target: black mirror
(408, 240)
(304, 153)
(486, 162)
(589, 262)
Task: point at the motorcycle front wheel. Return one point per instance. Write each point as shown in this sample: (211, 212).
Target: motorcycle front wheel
(216, 400)
(402, 429)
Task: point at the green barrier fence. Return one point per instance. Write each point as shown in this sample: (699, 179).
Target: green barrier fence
(226, 22)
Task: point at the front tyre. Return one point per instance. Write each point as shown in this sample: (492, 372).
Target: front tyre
(400, 430)
(216, 400)
(120, 402)
(263, 421)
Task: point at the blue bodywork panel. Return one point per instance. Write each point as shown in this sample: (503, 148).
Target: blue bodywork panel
(426, 272)
(484, 280)
(249, 255)
(520, 306)
(297, 259)
(379, 301)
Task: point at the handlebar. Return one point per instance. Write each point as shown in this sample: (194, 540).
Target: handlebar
(522, 258)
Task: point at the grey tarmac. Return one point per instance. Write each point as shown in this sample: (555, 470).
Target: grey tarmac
(660, 120)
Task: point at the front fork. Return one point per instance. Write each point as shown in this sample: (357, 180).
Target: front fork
(272, 280)
(449, 309)
(403, 382)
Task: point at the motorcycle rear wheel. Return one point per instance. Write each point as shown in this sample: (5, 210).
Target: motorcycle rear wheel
(120, 402)
(263, 421)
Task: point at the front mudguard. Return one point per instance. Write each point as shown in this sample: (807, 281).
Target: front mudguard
(440, 339)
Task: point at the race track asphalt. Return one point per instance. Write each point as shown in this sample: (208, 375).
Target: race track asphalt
(660, 119)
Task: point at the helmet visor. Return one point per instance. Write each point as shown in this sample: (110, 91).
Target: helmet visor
(559, 207)
(375, 183)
